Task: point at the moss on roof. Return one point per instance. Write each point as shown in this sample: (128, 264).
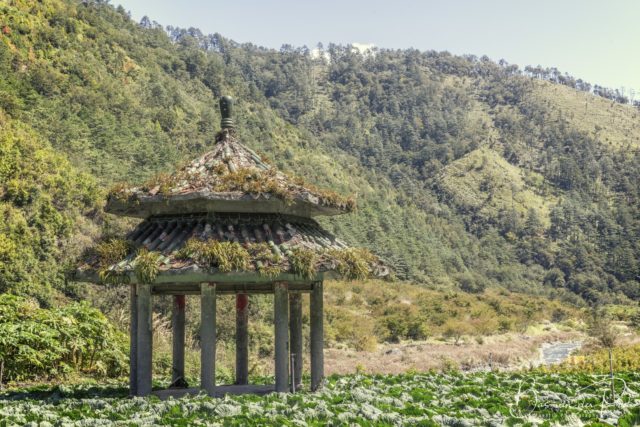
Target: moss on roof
(230, 167)
(114, 259)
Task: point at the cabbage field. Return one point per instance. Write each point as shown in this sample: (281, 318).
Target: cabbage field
(484, 399)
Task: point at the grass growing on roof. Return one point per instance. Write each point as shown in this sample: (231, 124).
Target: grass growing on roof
(113, 277)
(353, 263)
(268, 263)
(303, 262)
(247, 179)
(226, 256)
(147, 265)
(111, 252)
(160, 183)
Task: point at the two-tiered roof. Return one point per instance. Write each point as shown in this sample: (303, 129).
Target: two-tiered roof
(227, 222)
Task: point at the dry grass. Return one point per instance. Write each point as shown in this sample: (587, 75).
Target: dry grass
(505, 351)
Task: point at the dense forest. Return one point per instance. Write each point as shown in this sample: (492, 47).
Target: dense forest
(468, 173)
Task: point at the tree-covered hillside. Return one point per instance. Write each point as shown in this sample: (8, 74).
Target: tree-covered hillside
(467, 172)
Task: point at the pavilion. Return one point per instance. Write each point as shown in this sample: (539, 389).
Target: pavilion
(227, 223)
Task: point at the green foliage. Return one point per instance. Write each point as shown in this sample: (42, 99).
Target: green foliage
(42, 199)
(402, 322)
(353, 263)
(602, 329)
(146, 265)
(423, 399)
(225, 256)
(395, 312)
(268, 263)
(112, 251)
(38, 343)
(455, 329)
(302, 262)
(626, 358)
(468, 172)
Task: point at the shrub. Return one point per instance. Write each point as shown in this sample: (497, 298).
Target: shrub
(471, 284)
(505, 324)
(401, 321)
(456, 329)
(347, 327)
(41, 343)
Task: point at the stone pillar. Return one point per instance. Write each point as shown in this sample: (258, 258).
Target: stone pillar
(208, 337)
(177, 326)
(281, 315)
(317, 336)
(144, 342)
(242, 339)
(295, 334)
(133, 342)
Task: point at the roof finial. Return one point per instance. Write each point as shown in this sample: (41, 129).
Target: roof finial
(226, 108)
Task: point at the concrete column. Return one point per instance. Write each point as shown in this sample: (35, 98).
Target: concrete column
(295, 333)
(145, 340)
(242, 339)
(317, 336)
(281, 321)
(177, 326)
(133, 342)
(208, 337)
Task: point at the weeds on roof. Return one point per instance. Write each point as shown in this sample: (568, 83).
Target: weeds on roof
(353, 263)
(303, 262)
(225, 256)
(147, 265)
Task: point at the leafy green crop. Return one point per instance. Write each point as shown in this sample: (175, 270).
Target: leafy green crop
(382, 400)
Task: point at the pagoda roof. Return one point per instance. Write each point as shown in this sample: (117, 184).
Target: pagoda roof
(229, 178)
(272, 246)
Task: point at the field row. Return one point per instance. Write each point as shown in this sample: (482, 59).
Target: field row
(419, 399)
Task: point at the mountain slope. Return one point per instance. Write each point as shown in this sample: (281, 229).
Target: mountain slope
(406, 131)
(45, 208)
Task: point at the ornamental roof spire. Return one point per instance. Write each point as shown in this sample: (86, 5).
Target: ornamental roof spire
(226, 110)
(230, 178)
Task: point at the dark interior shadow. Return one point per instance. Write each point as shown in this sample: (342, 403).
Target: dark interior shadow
(56, 393)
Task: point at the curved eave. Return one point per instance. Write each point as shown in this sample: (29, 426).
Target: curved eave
(205, 201)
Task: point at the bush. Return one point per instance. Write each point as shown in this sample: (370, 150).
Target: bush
(345, 326)
(42, 343)
(456, 329)
(471, 284)
(401, 321)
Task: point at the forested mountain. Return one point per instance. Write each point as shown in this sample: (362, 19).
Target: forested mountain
(467, 172)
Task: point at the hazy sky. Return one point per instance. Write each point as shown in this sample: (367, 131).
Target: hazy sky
(598, 41)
